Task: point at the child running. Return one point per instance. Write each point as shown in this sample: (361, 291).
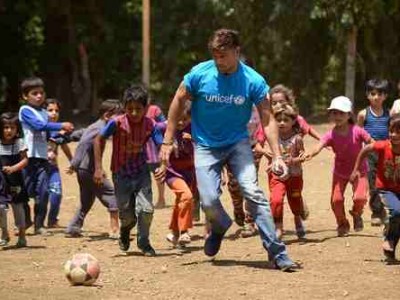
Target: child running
(292, 147)
(387, 183)
(181, 179)
(13, 159)
(280, 95)
(35, 124)
(375, 120)
(56, 139)
(131, 175)
(346, 140)
(83, 164)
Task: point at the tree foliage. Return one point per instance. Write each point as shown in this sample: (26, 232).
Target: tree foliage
(90, 50)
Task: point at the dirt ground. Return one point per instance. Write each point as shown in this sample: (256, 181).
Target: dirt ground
(333, 268)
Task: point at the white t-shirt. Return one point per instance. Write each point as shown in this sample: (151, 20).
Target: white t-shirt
(396, 107)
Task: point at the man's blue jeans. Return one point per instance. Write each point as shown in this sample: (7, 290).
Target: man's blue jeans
(239, 157)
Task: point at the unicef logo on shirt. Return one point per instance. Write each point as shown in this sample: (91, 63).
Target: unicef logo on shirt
(231, 99)
(239, 100)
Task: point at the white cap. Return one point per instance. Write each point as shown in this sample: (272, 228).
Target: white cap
(341, 103)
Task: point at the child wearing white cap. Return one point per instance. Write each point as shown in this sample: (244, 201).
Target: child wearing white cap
(346, 141)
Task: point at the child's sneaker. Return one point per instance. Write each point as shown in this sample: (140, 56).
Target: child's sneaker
(4, 241)
(184, 239)
(148, 251)
(172, 238)
(124, 240)
(358, 223)
(300, 230)
(343, 229)
(248, 230)
(21, 243)
(42, 231)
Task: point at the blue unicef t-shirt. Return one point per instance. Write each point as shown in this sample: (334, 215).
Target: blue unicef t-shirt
(222, 104)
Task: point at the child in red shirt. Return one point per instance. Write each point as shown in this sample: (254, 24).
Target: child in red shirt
(387, 182)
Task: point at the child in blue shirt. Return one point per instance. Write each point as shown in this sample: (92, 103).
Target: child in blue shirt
(35, 125)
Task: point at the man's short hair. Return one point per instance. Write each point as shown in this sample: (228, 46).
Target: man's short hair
(223, 39)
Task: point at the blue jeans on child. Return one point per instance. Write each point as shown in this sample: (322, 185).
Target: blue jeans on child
(55, 195)
(36, 177)
(135, 204)
(392, 225)
(239, 157)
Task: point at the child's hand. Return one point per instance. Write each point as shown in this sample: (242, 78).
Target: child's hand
(304, 156)
(186, 136)
(354, 175)
(67, 126)
(8, 169)
(70, 170)
(98, 177)
(159, 173)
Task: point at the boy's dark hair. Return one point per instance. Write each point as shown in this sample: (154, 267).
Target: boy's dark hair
(223, 39)
(135, 93)
(111, 106)
(30, 83)
(381, 85)
(10, 118)
(394, 123)
(52, 101)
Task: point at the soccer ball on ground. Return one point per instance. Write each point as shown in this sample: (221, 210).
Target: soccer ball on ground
(82, 269)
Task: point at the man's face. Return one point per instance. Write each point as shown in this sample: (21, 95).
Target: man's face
(226, 60)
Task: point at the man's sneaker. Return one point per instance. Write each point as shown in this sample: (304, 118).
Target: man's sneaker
(213, 243)
(21, 243)
(42, 231)
(124, 240)
(343, 229)
(285, 264)
(358, 223)
(148, 251)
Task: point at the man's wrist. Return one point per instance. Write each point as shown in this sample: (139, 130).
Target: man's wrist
(167, 143)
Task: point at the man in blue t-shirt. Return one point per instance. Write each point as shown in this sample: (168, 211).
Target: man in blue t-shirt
(223, 91)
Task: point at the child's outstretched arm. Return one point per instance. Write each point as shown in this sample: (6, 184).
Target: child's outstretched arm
(310, 155)
(361, 156)
(313, 133)
(36, 123)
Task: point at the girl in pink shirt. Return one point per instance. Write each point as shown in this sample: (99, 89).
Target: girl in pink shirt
(346, 141)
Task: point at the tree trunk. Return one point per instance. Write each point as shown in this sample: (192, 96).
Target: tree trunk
(57, 63)
(351, 62)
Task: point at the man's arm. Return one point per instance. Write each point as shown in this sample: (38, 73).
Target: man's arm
(270, 127)
(271, 131)
(175, 111)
